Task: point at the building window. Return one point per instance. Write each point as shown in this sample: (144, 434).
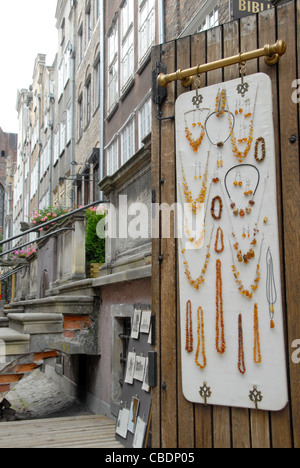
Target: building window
(145, 121)
(88, 23)
(113, 89)
(88, 91)
(127, 43)
(97, 83)
(112, 157)
(69, 123)
(61, 78)
(80, 116)
(56, 146)
(211, 20)
(97, 10)
(128, 141)
(146, 27)
(80, 44)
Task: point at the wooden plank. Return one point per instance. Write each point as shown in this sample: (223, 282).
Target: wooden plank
(291, 195)
(231, 47)
(156, 279)
(241, 438)
(168, 354)
(248, 40)
(221, 425)
(198, 54)
(280, 422)
(214, 52)
(87, 431)
(203, 427)
(185, 408)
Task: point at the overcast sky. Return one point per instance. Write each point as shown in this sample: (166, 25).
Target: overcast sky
(27, 28)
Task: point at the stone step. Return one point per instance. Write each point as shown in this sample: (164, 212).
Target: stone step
(4, 322)
(18, 310)
(36, 323)
(13, 343)
(66, 305)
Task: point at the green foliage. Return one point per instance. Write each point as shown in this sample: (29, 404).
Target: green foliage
(94, 247)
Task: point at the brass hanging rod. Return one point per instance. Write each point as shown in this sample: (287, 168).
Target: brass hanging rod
(271, 52)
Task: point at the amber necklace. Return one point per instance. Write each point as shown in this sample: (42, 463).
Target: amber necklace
(194, 143)
(189, 328)
(241, 361)
(195, 204)
(248, 293)
(219, 311)
(257, 352)
(242, 211)
(201, 340)
(196, 283)
(240, 155)
(241, 256)
(196, 242)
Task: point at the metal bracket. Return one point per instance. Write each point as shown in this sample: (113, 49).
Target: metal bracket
(255, 396)
(159, 94)
(205, 393)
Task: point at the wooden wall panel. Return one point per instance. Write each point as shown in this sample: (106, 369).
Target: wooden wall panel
(176, 422)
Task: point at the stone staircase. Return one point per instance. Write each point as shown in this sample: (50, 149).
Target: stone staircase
(63, 323)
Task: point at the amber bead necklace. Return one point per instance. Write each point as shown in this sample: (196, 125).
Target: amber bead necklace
(196, 283)
(257, 351)
(248, 293)
(241, 155)
(189, 328)
(196, 242)
(195, 204)
(195, 143)
(219, 238)
(247, 210)
(271, 287)
(220, 333)
(241, 361)
(241, 256)
(201, 340)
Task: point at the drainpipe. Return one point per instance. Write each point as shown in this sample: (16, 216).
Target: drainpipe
(73, 71)
(39, 152)
(161, 21)
(51, 148)
(102, 91)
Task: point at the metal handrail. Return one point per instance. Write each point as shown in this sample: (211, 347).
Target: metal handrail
(38, 239)
(55, 220)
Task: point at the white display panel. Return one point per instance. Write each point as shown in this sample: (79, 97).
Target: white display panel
(251, 118)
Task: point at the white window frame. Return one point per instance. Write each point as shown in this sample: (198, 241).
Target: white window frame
(146, 14)
(145, 119)
(128, 140)
(113, 68)
(112, 156)
(97, 83)
(202, 15)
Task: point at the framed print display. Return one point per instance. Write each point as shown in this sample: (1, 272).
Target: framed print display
(135, 404)
(232, 330)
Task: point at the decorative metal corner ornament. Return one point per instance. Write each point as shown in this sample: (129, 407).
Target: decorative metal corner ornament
(243, 88)
(205, 393)
(255, 396)
(197, 100)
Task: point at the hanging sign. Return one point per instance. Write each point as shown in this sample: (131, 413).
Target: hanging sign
(232, 328)
(243, 8)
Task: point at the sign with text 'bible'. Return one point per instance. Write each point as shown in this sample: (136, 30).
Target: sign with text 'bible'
(249, 7)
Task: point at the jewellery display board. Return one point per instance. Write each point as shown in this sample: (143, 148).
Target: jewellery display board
(232, 330)
(133, 422)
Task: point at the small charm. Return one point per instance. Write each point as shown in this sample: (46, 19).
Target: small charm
(198, 99)
(243, 87)
(205, 392)
(255, 396)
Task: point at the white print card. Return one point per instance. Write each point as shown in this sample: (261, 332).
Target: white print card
(122, 423)
(139, 435)
(129, 376)
(232, 328)
(135, 331)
